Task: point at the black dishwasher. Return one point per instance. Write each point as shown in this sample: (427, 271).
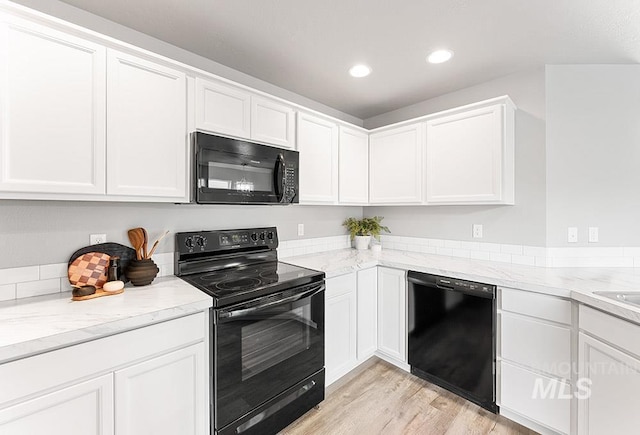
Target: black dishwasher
(452, 330)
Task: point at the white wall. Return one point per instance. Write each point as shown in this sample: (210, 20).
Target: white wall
(523, 223)
(593, 153)
(46, 232)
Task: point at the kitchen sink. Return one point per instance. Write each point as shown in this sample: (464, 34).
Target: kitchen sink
(629, 298)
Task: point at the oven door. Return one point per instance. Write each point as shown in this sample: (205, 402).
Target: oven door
(263, 347)
(233, 171)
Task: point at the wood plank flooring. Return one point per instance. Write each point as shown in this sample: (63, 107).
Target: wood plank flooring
(379, 398)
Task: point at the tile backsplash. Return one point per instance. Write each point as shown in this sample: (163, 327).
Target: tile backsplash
(24, 282)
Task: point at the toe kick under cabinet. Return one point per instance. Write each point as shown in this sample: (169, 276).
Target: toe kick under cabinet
(534, 360)
(151, 380)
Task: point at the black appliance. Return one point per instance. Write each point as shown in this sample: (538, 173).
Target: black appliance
(267, 328)
(452, 335)
(235, 171)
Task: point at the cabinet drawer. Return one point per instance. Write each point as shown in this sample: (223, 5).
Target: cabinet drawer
(535, 396)
(536, 305)
(50, 370)
(535, 344)
(612, 329)
(340, 285)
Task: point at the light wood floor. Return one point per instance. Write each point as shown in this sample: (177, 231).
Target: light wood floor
(382, 399)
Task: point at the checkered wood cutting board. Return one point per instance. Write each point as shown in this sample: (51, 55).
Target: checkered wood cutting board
(89, 269)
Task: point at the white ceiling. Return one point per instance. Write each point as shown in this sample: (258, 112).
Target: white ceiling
(308, 46)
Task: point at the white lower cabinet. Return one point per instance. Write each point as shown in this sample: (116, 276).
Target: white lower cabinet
(151, 380)
(350, 322)
(85, 408)
(542, 399)
(534, 356)
(392, 314)
(340, 326)
(160, 396)
(367, 313)
(609, 374)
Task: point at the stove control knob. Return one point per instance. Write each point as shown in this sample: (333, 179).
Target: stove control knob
(270, 235)
(261, 236)
(201, 241)
(254, 237)
(189, 242)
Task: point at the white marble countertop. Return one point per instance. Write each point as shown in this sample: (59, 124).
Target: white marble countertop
(574, 283)
(34, 325)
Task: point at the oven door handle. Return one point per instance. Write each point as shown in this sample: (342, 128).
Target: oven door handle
(233, 314)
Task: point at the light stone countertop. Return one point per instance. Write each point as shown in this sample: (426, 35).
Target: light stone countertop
(574, 283)
(35, 325)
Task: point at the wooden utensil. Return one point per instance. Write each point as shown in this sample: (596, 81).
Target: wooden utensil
(155, 245)
(146, 241)
(136, 237)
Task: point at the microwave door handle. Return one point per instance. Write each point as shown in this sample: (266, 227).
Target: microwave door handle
(278, 178)
(226, 316)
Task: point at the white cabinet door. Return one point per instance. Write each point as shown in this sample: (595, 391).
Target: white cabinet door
(353, 162)
(396, 165)
(222, 109)
(85, 408)
(340, 326)
(146, 128)
(273, 123)
(470, 157)
(608, 377)
(318, 146)
(163, 395)
(52, 111)
(392, 313)
(367, 313)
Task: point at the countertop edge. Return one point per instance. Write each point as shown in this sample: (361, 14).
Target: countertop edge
(341, 262)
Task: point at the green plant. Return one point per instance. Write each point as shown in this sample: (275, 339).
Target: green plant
(365, 227)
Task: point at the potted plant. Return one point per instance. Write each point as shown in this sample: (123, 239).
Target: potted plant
(361, 230)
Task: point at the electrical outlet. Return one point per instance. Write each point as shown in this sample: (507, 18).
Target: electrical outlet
(94, 239)
(301, 229)
(593, 234)
(572, 235)
(477, 231)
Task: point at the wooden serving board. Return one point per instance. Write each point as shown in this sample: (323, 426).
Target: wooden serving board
(98, 294)
(89, 269)
(125, 253)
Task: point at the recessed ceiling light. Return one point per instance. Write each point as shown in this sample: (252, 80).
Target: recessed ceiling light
(360, 70)
(440, 56)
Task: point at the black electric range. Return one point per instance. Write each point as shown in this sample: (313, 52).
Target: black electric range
(267, 328)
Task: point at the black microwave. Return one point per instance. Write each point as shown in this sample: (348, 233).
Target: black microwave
(233, 171)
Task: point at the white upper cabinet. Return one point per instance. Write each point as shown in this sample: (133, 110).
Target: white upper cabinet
(146, 128)
(470, 155)
(52, 109)
(222, 109)
(318, 146)
(273, 123)
(396, 161)
(353, 162)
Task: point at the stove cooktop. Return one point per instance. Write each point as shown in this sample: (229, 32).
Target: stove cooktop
(238, 284)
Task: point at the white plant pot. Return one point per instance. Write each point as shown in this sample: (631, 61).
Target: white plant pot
(362, 242)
